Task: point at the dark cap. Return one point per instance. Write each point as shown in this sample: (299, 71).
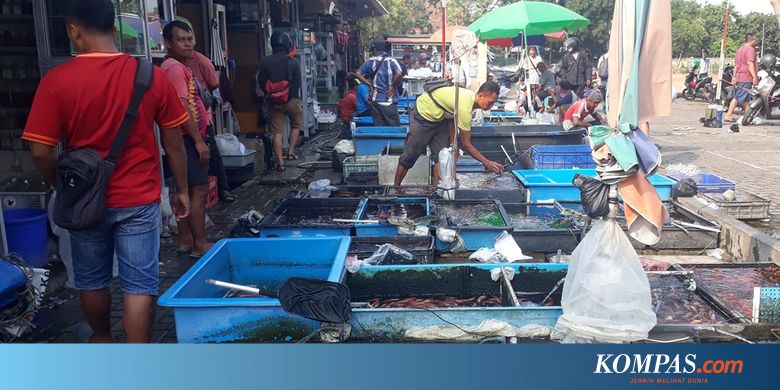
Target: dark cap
(565, 84)
(378, 44)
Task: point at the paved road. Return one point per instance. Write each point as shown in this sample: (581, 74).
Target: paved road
(750, 158)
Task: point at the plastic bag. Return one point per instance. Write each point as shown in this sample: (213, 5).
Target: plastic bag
(446, 235)
(606, 295)
(417, 231)
(320, 189)
(684, 188)
(345, 147)
(229, 145)
(495, 273)
(459, 246)
(448, 184)
(487, 328)
(487, 255)
(508, 248)
(389, 251)
(594, 195)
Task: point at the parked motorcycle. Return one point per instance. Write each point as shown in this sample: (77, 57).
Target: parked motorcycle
(765, 97)
(696, 86)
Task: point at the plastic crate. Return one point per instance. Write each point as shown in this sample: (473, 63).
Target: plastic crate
(420, 247)
(707, 182)
(285, 220)
(474, 237)
(747, 205)
(384, 228)
(203, 315)
(24, 200)
(556, 184)
(213, 196)
(561, 157)
(360, 164)
(230, 160)
(371, 141)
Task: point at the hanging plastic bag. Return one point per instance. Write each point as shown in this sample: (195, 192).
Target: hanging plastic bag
(594, 195)
(448, 184)
(606, 295)
(508, 248)
(487, 255)
(229, 145)
(684, 188)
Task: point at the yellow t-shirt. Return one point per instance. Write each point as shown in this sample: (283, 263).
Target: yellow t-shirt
(446, 97)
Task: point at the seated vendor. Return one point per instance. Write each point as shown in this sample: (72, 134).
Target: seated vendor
(576, 114)
(348, 104)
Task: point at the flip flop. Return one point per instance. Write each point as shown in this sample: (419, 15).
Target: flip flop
(228, 197)
(730, 120)
(281, 168)
(291, 157)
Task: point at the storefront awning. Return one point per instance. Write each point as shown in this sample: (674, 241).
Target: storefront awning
(363, 8)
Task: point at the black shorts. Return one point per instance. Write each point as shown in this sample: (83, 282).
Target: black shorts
(422, 134)
(197, 174)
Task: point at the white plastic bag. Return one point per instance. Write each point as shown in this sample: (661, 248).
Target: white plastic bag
(229, 145)
(447, 185)
(508, 248)
(606, 296)
(446, 235)
(345, 146)
(320, 189)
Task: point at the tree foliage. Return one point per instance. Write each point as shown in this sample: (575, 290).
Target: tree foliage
(694, 26)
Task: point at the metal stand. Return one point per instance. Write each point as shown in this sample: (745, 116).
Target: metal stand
(3, 242)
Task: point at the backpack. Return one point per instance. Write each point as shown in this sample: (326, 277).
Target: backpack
(82, 174)
(433, 85)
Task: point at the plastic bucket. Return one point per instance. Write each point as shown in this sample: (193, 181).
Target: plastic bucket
(27, 234)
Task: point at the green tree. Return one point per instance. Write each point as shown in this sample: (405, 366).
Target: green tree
(594, 37)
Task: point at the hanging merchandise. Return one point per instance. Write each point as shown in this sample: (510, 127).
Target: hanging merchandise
(474, 63)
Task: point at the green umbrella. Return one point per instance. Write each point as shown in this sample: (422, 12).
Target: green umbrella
(125, 29)
(528, 17)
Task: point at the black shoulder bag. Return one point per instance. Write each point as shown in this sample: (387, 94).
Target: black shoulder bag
(82, 174)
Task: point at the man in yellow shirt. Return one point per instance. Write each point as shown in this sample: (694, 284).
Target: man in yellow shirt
(431, 125)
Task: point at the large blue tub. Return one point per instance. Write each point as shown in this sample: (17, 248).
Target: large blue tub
(202, 314)
(437, 280)
(365, 121)
(556, 184)
(372, 141)
(311, 218)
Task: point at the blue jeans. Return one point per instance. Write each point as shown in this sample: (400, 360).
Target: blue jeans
(132, 233)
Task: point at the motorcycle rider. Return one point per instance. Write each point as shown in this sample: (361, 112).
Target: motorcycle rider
(745, 75)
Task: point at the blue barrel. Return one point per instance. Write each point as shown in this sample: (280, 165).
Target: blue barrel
(26, 231)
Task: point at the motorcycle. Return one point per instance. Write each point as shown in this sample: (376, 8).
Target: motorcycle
(727, 89)
(765, 97)
(695, 86)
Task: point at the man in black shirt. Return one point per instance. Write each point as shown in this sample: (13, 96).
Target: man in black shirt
(280, 79)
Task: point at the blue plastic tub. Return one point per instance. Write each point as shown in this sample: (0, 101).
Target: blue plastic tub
(475, 237)
(304, 218)
(383, 228)
(28, 235)
(201, 313)
(707, 182)
(370, 141)
(469, 165)
(12, 280)
(367, 121)
(556, 184)
(562, 157)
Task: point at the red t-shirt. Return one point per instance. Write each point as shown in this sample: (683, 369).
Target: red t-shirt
(578, 109)
(745, 54)
(183, 82)
(84, 101)
(348, 105)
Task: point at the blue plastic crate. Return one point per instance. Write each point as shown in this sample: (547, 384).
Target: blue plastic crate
(469, 165)
(474, 237)
(383, 228)
(201, 313)
(370, 141)
(367, 121)
(562, 157)
(707, 182)
(556, 184)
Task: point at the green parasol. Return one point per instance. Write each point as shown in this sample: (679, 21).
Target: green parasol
(528, 17)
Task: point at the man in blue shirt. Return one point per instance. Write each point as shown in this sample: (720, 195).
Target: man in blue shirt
(385, 72)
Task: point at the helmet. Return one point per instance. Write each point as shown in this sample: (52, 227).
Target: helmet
(281, 39)
(378, 45)
(573, 42)
(767, 61)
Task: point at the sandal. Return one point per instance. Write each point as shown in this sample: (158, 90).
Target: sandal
(280, 168)
(228, 197)
(291, 157)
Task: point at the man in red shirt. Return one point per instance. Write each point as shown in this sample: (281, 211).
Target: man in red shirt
(83, 102)
(576, 114)
(745, 75)
(181, 46)
(348, 104)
